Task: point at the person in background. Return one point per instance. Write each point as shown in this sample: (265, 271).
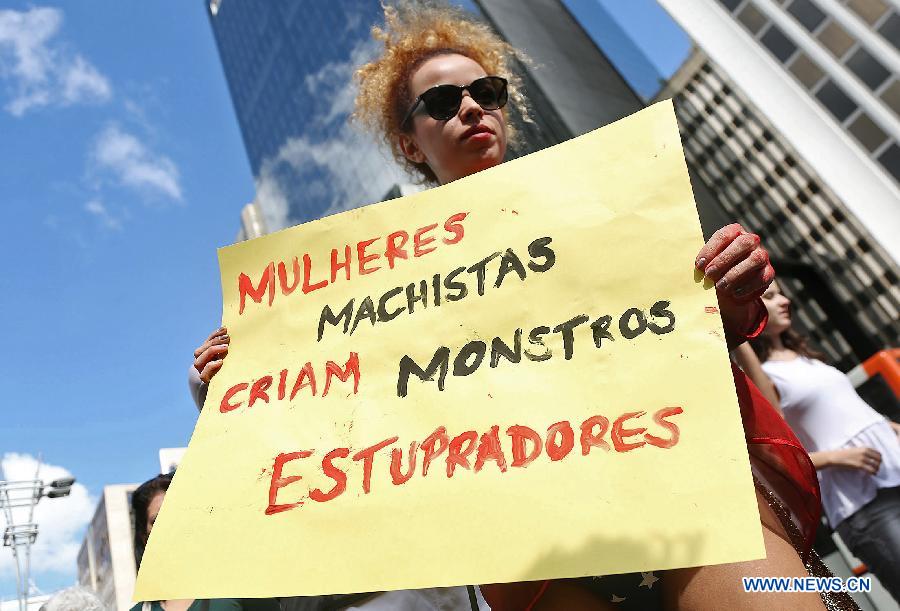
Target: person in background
(146, 502)
(855, 450)
(437, 96)
(75, 598)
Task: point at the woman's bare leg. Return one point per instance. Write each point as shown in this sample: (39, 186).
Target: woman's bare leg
(720, 587)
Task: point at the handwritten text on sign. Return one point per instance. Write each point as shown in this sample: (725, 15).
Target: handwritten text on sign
(469, 366)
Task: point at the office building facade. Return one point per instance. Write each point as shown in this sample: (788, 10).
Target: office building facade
(826, 260)
(106, 561)
(825, 74)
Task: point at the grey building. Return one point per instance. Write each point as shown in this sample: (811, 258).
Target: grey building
(789, 113)
(106, 562)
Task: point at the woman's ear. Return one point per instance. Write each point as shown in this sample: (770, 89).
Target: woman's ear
(411, 149)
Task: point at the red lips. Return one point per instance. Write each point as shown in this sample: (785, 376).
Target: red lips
(477, 129)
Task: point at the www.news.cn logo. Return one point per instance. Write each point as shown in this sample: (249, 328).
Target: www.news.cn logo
(807, 584)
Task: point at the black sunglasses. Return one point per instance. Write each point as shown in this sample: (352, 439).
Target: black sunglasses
(443, 101)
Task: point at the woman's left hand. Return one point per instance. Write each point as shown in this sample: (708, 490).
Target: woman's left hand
(740, 268)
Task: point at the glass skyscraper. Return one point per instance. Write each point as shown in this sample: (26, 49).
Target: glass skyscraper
(289, 68)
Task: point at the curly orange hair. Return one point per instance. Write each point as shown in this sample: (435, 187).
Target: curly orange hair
(414, 32)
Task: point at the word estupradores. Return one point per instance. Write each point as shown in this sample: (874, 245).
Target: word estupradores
(471, 451)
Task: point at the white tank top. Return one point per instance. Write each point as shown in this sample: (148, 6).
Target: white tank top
(819, 403)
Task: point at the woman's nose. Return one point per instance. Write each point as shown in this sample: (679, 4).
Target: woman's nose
(469, 109)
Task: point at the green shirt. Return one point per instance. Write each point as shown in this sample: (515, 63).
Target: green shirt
(221, 604)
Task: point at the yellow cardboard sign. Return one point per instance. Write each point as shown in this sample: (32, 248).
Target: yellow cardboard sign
(515, 376)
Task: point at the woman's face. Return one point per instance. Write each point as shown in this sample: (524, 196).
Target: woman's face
(472, 140)
(153, 510)
(779, 308)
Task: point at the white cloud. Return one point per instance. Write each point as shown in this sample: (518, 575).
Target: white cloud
(96, 208)
(39, 72)
(343, 170)
(61, 522)
(133, 165)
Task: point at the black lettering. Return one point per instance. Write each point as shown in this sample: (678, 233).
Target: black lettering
(566, 328)
(624, 327)
(383, 315)
(366, 310)
(534, 338)
(600, 329)
(412, 298)
(539, 248)
(329, 317)
(499, 348)
(480, 268)
(451, 285)
(440, 362)
(436, 289)
(460, 365)
(509, 262)
(660, 309)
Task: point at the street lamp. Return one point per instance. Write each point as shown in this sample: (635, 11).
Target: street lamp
(20, 536)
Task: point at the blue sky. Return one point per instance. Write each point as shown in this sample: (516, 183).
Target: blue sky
(121, 171)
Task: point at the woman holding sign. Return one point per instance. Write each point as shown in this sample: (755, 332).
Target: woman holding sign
(439, 95)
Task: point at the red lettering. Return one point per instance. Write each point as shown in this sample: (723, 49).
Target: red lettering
(368, 458)
(589, 439)
(489, 449)
(559, 450)
(305, 374)
(659, 418)
(338, 475)
(439, 438)
(278, 482)
(226, 406)
(266, 284)
(418, 242)
(456, 456)
(333, 369)
(364, 258)
(619, 432)
(282, 381)
(519, 434)
(282, 277)
(258, 390)
(307, 272)
(394, 251)
(396, 458)
(454, 225)
(345, 265)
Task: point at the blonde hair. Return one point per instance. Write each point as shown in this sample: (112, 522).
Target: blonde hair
(413, 32)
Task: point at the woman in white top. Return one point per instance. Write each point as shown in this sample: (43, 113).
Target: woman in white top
(855, 449)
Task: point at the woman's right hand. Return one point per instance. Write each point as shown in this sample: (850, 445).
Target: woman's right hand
(208, 358)
(867, 459)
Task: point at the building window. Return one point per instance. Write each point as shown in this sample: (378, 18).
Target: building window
(868, 134)
(891, 96)
(779, 44)
(836, 39)
(890, 159)
(807, 14)
(869, 10)
(890, 29)
(730, 4)
(752, 19)
(806, 70)
(835, 100)
(869, 70)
